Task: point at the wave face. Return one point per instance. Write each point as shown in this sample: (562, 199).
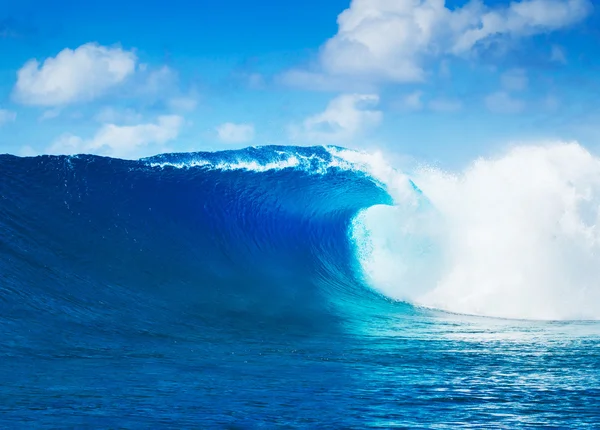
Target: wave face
(261, 232)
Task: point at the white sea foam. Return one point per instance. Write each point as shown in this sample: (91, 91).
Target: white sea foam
(517, 236)
(252, 165)
(312, 164)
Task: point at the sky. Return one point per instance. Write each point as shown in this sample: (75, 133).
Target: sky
(442, 81)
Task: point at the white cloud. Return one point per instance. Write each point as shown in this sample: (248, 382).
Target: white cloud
(183, 103)
(411, 102)
(7, 116)
(111, 115)
(317, 81)
(557, 55)
(389, 39)
(551, 103)
(158, 81)
(28, 151)
(235, 133)
(525, 18)
(445, 71)
(129, 141)
(382, 39)
(445, 105)
(73, 75)
(50, 114)
(414, 102)
(345, 117)
(502, 103)
(515, 80)
(162, 87)
(256, 81)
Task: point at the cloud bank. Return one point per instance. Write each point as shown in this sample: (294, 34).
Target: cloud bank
(73, 76)
(127, 141)
(235, 133)
(345, 117)
(390, 40)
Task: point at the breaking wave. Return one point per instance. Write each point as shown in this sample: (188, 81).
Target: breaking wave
(305, 233)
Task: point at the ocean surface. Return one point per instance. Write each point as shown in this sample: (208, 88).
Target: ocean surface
(286, 287)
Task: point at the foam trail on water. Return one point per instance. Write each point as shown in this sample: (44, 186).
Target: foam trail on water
(516, 236)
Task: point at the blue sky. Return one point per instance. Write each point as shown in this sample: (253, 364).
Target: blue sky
(440, 81)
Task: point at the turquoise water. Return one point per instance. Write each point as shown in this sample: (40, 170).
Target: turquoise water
(414, 371)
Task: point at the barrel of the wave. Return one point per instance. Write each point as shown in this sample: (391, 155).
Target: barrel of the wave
(399, 246)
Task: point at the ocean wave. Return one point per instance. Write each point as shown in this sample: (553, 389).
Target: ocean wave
(276, 230)
(83, 234)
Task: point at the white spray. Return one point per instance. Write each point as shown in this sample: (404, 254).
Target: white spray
(516, 236)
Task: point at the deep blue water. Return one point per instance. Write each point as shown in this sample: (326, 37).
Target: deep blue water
(223, 291)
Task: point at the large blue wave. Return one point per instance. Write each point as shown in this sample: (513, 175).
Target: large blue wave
(107, 244)
(237, 289)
